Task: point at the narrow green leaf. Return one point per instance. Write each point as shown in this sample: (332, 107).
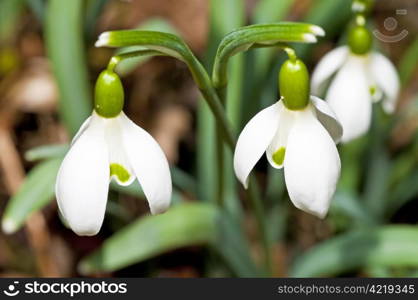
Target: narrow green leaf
(46, 151)
(404, 191)
(181, 226)
(222, 20)
(225, 17)
(233, 247)
(10, 11)
(350, 205)
(183, 180)
(271, 10)
(389, 246)
(135, 190)
(377, 165)
(409, 61)
(36, 191)
(63, 30)
(92, 12)
(38, 8)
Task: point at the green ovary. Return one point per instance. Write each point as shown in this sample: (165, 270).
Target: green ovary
(294, 84)
(360, 40)
(278, 156)
(120, 172)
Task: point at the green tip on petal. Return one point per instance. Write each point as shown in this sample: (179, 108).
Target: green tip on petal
(109, 95)
(372, 90)
(120, 172)
(360, 40)
(278, 156)
(294, 84)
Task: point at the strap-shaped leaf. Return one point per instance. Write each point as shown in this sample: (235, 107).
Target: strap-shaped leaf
(63, 30)
(389, 246)
(149, 236)
(36, 191)
(260, 35)
(46, 151)
(183, 225)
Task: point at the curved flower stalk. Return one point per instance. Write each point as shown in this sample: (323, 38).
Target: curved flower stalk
(362, 76)
(297, 133)
(109, 146)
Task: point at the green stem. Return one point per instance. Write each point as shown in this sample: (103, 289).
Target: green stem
(290, 53)
(220, 81)
(253, 194)
(116, 59)
(211, 97)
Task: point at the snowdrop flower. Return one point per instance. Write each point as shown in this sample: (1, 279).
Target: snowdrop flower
(109, 146)
(362, 77)
(297, 133)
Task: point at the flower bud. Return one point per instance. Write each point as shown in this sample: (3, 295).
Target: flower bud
(360, 40)
(109, 95)
(294, 84)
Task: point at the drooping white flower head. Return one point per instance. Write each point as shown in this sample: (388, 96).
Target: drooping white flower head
(297, 133)
(361, 77)
(109, 146)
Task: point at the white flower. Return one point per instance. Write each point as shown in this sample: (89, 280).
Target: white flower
(301, 141)
(106, 148)
(359, 81)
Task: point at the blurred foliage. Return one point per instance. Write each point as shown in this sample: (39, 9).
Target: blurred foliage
(364, 233)
(189, 224)
(64, 38)
(386, 246)
(36, 191)
(9, 15)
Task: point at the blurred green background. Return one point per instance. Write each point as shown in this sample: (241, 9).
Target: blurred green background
(48, 65)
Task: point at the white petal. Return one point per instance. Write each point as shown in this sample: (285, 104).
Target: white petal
(83, 180)
(121, 170)
(279, 141)
(327, 66)
(350, 99)
(149, 164)
(387, 79)
(312, 164)
(254, 140)
(83, 127)
(328, 118)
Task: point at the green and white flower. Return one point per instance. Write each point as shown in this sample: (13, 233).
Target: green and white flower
(361, 77)
(297, 133)
(109, 146)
